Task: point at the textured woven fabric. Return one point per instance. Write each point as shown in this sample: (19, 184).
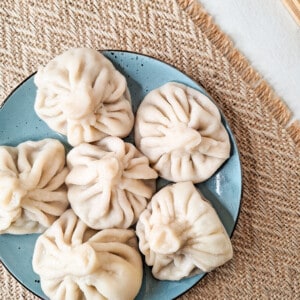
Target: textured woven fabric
(266, 239)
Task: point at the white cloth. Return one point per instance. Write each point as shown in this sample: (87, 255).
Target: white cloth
(268, 36)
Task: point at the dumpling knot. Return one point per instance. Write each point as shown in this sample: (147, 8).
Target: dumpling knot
(78, 104)
(13, 194)
(165, 239)
(187, 139)
(10, 201)
(80, 261)
(109, 170)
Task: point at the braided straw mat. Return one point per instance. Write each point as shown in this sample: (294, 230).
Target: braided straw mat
(266, 239)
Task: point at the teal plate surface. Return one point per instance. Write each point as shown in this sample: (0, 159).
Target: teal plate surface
(19, 122)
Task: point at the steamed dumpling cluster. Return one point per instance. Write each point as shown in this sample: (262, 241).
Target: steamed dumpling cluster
(81, 94)
(33, 192)
(181, 235)
(75, 262)
(180, 130)
(89, 252)
(110, 183)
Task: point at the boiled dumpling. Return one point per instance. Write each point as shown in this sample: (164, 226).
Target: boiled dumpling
(81, 95)
(181, 235)
(109, 183)
(77, 263)
(179, 129)
(33, 194)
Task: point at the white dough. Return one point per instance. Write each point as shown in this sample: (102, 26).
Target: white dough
(33, 193)
(179, 129)
(75, 262)
(180, 234)
(109, 183)
(81, 95)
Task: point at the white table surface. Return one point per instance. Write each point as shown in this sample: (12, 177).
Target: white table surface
(268, 36)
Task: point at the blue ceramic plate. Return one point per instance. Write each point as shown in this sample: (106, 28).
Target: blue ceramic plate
(18, 123)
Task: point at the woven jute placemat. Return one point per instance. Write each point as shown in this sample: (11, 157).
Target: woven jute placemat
(266, 239)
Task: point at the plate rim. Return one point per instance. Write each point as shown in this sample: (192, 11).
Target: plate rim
(232, 136)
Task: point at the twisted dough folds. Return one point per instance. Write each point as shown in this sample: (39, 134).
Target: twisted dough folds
(33, 193)
(180, 130)
(180, 234)
(81, 95)
(77, 263)
(110, 183)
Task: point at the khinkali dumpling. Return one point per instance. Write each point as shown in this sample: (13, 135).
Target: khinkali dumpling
(181, 235)
(33, 194)
(179, 129)
(77, 263)
(81, 95)
(109, 183)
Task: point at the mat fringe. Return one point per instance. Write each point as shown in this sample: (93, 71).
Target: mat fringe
(293, 130)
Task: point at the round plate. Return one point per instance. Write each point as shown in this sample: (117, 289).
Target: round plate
(19, 122)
